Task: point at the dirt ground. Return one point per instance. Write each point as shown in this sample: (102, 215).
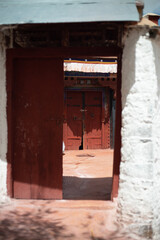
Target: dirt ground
(87, 174)
(83, 214)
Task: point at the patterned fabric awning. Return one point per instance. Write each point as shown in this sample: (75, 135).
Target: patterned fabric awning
(101, 67)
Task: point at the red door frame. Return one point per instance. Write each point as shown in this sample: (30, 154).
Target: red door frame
(64, 52)
(118, 124)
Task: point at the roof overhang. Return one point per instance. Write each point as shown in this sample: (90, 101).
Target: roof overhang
(66, 11)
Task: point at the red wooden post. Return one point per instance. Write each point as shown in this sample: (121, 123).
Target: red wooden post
(117, 143)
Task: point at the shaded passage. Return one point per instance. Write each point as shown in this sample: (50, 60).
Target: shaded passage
(87, 174)
(87, 188)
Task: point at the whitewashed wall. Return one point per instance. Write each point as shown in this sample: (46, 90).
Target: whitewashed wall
(156, 135)
(3, 122)
(138, 201)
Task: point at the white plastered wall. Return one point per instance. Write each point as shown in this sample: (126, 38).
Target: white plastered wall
(138, 201)
(156, 135)
(3, 122)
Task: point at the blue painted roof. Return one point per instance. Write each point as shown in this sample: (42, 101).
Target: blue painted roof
(151, 6)
(66, 11)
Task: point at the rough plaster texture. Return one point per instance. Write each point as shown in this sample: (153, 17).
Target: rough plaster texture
(156, 134)
(139, 191)
(3, 122)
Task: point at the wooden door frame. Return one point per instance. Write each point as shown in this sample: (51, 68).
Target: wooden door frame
(62, 52)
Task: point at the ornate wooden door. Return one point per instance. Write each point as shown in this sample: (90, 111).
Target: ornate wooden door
(73, 139)
(83, 123)
(93, 120)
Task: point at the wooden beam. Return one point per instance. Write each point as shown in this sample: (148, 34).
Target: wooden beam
(65, 52)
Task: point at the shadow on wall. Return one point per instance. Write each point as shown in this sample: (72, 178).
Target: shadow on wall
(128, 65)
(76, 188)
(27, 226)
(156, 50)
(33, 225)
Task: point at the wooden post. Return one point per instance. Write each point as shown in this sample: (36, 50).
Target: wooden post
(117, 142)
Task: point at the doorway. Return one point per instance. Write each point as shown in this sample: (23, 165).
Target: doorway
(87, 174)
(43, 172)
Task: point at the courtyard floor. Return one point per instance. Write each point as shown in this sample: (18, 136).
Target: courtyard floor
(87, 174)
(83, 214)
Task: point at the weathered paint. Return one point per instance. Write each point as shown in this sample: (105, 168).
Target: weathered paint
(36, 127)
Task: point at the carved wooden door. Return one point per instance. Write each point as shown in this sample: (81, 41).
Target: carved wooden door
(92, 138)
(83, 128)
(73, 139)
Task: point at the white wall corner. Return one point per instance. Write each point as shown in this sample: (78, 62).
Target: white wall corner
(3, 121)
(139, 105)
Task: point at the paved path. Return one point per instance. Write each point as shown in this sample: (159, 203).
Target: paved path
(58, 220)
(68, 219)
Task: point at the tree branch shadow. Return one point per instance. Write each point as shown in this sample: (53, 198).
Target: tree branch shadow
(28, 226)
